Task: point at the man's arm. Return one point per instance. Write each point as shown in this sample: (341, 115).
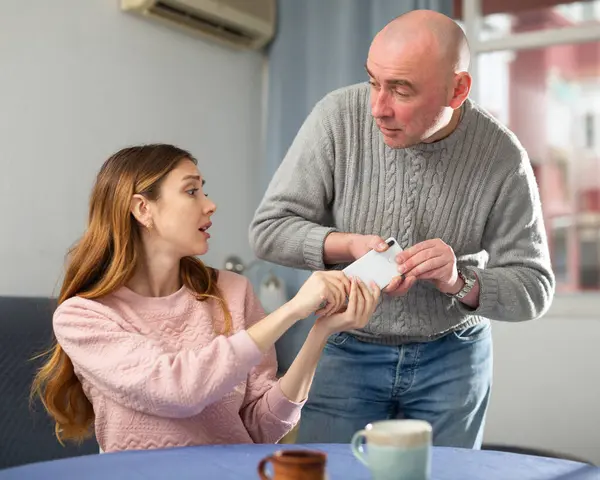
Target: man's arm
(518, 283)
(292, 221)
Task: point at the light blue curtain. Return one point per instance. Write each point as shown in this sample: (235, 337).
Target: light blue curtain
(320, 45)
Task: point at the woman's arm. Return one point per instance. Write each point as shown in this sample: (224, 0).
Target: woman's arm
(273, 407)
(137, 372)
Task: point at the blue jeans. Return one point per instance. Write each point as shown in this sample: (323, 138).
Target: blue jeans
(446, 382)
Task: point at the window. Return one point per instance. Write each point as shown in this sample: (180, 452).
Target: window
(541, 95)
(536, 68)
(589, 11)
(501, 18)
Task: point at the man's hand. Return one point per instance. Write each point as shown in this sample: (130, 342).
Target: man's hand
(400, 285)
(359, 245)
(431, 260)
(347, 247)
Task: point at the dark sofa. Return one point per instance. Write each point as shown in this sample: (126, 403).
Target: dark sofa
(27, 434)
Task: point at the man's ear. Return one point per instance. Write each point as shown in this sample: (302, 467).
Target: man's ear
(140, 208)
(461, 90)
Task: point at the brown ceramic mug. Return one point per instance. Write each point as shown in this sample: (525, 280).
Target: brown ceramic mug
(294, 465)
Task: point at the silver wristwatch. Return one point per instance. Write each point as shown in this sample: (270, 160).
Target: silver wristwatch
(469, 278)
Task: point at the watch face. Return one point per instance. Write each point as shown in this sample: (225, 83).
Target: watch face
(467, 275)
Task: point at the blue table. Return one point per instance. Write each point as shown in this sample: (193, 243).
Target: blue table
(237, 462)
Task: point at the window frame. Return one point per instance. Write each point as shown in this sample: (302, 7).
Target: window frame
(583, 305)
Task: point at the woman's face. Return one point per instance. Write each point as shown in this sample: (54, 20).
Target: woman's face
(181, 215)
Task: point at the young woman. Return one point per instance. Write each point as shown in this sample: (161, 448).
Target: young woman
(154, 349)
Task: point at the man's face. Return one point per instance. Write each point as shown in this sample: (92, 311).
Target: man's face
(409, 92)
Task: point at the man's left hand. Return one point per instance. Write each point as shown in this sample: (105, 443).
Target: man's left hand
(431, 260)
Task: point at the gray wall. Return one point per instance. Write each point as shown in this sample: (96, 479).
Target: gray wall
(546, 389)
(80, 79)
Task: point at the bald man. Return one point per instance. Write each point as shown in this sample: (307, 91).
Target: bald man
(409, 155)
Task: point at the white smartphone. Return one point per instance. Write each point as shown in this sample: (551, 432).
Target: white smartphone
(379, 267)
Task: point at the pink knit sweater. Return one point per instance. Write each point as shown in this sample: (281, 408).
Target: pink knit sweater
(159, 376)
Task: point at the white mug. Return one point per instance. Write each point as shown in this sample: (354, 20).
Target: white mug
(395, 449)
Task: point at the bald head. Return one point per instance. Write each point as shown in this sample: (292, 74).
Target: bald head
(418, 71)
(430, 32)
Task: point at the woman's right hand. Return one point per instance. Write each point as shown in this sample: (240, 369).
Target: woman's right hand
(361, 305)
(330, 288)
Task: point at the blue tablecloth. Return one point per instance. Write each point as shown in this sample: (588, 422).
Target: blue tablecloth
(240, 461)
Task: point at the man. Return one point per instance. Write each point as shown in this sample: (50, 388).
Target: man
(409, 155)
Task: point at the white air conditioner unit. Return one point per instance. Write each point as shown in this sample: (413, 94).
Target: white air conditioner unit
(248, 24)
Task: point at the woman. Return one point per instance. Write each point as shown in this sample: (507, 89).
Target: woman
(154, 349)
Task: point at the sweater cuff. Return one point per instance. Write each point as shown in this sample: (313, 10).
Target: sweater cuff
(488, 294)
(246, 351)
(281, 406)
(313, 247)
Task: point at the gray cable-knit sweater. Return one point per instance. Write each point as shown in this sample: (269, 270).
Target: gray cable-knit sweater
(475, 190)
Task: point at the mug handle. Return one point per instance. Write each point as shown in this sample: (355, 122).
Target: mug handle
(261, 468)
(357, 447)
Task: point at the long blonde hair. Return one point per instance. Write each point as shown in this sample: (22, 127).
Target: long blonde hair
(103, 261)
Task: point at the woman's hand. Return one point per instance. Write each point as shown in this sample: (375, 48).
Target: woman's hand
(361, 305)
(324, 293)
(295, 384)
